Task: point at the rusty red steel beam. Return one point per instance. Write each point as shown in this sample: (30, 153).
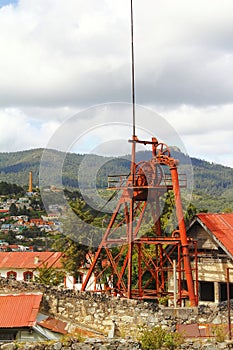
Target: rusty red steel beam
(114, 265)
(183, 235)
(91, 270)
(146, 240)
(130, 248)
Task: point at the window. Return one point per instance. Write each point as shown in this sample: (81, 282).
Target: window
(223, 291)
(79, 277)
(27, 276)
(207, 291)
(11, 275)
(7, 335)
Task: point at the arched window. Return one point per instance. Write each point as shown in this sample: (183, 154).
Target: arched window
(27, 276)
(11, 275)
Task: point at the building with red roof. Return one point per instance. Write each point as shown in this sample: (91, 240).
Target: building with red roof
(20, 319)
(4, 211)
(214, 235)
(23, 266)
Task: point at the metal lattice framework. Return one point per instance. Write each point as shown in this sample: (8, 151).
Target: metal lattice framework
(129, 250)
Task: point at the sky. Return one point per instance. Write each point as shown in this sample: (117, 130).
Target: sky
(60, 59)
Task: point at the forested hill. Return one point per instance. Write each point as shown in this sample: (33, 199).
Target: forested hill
(213, 183)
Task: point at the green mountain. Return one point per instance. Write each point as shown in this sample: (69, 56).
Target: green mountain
(213, 183)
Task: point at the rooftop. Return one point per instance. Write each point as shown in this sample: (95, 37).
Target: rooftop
(30, 260)
(221, 226)
(19, 310)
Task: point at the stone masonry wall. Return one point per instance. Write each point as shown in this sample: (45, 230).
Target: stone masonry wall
(101, 312)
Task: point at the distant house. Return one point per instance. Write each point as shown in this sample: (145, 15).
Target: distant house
(4, 211)
(23, 202)
(6, 227)
(22, 266)
(214, 236)
(40, 222)
(25, 323)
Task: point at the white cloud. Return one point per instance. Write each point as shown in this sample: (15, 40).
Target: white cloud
(78, 53)
(190, 120)
(19, 132)
(59, 57)
(57, 54)
(206, 132)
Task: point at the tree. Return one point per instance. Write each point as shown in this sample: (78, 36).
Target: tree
(168, 216)
(13, 210)
(227, 210)
(10, 237)
(79, 236)
(190, 212)
(49, 275)
(23, 211)
(74, 253)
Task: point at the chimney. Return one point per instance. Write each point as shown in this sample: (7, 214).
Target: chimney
(36, 260)
(30, 182)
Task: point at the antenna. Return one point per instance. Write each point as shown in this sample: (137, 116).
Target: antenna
(134, 137)
(132, 63)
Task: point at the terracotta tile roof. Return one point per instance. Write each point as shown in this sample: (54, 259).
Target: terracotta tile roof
(30, 260)
(19, 310)
(221, 226)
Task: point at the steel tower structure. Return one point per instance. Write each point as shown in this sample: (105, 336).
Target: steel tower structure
(127, 247)
(154, 254)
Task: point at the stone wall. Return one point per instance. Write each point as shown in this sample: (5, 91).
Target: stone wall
(113, 344)
(102, 312)
(73, 344)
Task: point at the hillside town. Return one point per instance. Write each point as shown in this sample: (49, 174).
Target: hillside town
(27, 257)
(189, 269)
(24, 224)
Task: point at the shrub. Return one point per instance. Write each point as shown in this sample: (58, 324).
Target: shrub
(220, 332)
(157, 338)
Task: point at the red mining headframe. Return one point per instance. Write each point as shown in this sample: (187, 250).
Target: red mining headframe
(138, 256)
(134, 251)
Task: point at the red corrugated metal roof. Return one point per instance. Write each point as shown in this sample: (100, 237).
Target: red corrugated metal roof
(30, 260)
(221, 225)
(197, 330)
(19, 310)
(189, 330)
(54, 325)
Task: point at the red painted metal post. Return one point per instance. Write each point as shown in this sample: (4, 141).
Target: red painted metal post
(229, 301)
(130, 248)
(196, 272)
(139, 269)
(179, 275)
(183, 235)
